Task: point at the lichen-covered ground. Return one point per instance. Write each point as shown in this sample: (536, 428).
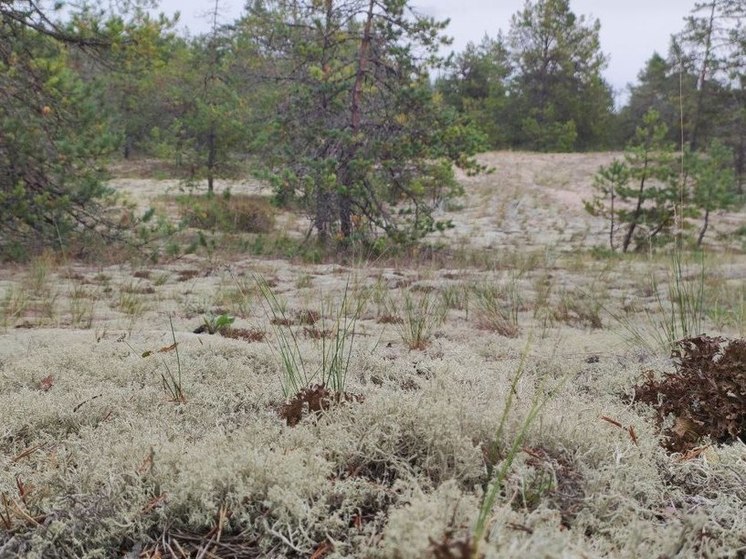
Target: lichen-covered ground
(98, 460)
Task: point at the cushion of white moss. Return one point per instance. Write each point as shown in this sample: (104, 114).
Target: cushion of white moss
(414, 455)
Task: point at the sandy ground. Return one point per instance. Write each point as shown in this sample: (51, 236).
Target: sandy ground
(529, 201)
(528, 198)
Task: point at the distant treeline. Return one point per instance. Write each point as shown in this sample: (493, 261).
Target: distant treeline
(348, 108)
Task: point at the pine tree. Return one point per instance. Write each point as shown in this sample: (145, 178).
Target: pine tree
(359, 138)
(709, 47)
(660, 87)
(210, 122)
(713, 177)
(560, 101)
(58, 124)
(476, 85)
(641, 193)
(51, 133)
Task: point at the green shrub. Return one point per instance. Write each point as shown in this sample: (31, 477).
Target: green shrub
(229, 213)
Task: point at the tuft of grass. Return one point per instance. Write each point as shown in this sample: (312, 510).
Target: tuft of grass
(420, 316)
(496, 476)
(678, 308)
(47, 307)
(14, 304)
(131, 304)
(534, 489)
(580, 307)
(728, 310)
(378, 293)
(237, 294)
(738, 312)
(543, 314)
(304, 281)
(81, 306)
(456, 296)
(37, 277)
(335, 347)
(686, 297)
(355, 304)
(308, 317)
(295, 375)
(102, 279)
(161, 279)
(497, 307)
(172, 383)
(32, 297)
(42, 297)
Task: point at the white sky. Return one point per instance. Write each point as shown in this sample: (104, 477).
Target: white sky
(631, 30)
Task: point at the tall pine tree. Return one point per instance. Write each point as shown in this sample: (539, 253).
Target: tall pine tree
(559, 100)
(359, 138)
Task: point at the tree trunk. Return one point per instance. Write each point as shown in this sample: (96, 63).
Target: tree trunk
(345, 215)
(345, 198)
(611, 229)
(654, 233)
(212, 148)
(322, 218)
(127, 146)
(702, 79)
(212, 153)
(740, 152)
(362, 63)
(638, 209)
(704, 228)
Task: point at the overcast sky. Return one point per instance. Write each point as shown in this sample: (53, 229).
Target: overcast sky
(631, 30)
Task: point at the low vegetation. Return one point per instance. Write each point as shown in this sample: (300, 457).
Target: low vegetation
(228, 213)
(364, 338)
(446, 401)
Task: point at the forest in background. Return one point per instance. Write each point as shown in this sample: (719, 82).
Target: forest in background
(353, 114)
